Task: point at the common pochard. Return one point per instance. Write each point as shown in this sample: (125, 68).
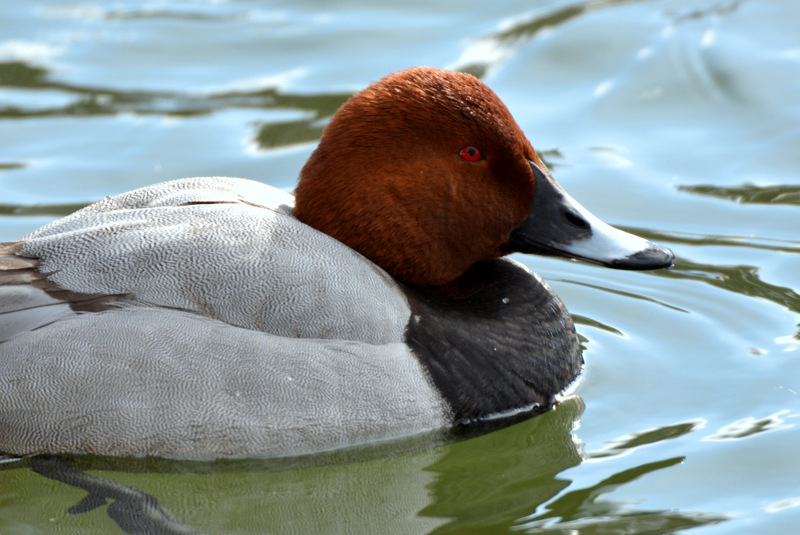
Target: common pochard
(221, 317)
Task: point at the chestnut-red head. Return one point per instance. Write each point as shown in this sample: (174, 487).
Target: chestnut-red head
(425, 172)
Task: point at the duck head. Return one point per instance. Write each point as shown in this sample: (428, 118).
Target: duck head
(425, 172)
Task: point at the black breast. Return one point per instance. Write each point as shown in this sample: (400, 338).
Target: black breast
(495, 340)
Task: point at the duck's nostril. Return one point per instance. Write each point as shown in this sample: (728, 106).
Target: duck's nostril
(575, 219)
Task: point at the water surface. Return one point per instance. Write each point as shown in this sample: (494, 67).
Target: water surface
(677, 120)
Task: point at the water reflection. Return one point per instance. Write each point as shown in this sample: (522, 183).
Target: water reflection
(94, 101)
(491, 47)
(740, 279)
(305, 130)
(489, 481)
(750, 426)
(118, 12)
(133, 510)
(583, 510)
(51, 210)
(744, 280)
(749, 193)
(627, 443)
(750, 242)
(717, 9)
(512, 480)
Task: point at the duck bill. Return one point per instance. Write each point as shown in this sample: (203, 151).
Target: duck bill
(558, 225)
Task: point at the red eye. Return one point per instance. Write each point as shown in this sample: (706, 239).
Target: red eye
(469, 153)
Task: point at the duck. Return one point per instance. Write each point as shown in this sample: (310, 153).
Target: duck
(219, 317)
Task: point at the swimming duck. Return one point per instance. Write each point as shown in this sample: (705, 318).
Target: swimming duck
(220, 317)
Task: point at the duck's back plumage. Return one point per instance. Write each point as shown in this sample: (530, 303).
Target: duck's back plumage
(223, 247)
(198, 318)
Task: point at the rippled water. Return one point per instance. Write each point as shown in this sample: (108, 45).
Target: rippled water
(679, 120)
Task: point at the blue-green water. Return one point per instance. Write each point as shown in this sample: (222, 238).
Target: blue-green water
(679, 120)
